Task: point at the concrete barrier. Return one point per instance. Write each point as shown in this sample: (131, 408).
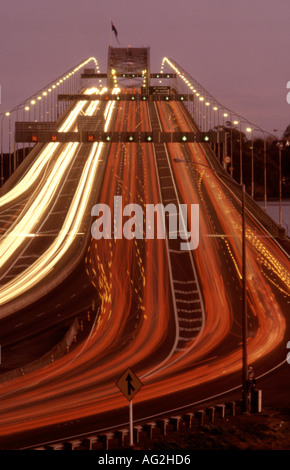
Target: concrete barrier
(73, 444)
(256, 401)
(162, 424)
(56, 446)
(210, 412)
(90, 441)
(220, 409)
(200, 417)
(149, 429)
(105, 439)
(146, 430)
(231, 407)
(55, 353)
(188, 419)
(137, 433)
(121, 435)
(176, 420)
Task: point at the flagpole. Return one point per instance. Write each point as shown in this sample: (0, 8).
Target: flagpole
(113, 28)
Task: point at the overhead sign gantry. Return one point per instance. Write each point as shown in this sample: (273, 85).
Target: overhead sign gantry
(131, 64)
(31, 132)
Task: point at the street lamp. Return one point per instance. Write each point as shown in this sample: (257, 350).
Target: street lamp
(249, 129)
(280, 147)
(7, 114)
(235, 123)
(33, 103)
(265, 164)
(208, 116)
(216, 146)
(244, 283)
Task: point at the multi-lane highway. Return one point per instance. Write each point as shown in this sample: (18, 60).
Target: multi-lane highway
(174, 317)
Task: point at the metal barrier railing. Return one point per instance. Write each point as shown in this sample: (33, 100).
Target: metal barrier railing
(42, 106)
(250, 154)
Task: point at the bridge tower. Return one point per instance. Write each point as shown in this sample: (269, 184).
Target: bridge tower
(131, 65)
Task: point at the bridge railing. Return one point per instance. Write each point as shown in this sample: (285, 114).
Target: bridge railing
(250, 154)
(42, 106)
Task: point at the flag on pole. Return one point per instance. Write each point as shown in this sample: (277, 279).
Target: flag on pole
(115, 31)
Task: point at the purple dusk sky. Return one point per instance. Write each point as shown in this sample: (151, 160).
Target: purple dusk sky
(239, 50)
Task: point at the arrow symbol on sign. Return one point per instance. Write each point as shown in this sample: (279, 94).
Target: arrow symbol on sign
(130, 386)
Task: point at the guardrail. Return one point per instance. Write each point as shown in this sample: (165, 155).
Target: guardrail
(169, 425)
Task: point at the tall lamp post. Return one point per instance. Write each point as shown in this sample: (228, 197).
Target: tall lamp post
(2, 151)
(244, 285)
(249, 129)
(280, 147)
(244, 314)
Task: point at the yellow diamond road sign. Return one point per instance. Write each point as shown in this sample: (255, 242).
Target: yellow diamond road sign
(129, 384)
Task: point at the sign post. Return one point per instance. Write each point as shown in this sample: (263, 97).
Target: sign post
(129, 384)
(131, 421)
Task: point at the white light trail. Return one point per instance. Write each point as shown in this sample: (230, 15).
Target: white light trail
(45, 155)
(71, 227)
